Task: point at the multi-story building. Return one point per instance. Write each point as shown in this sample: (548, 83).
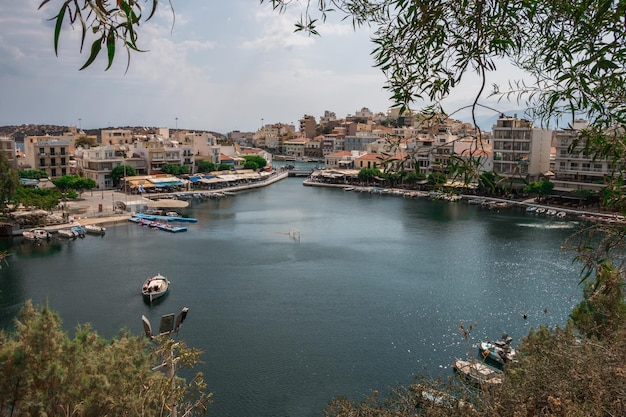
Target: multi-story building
(7, 147)
(521, 151)
(359, 141)
(295, 147)
(308, 126)
(116, 137)
(576, 170)
(48, 154)
(157, 151)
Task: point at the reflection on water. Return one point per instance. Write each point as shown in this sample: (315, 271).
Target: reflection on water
(371, 293)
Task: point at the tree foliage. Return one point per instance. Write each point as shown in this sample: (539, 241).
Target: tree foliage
(32, 174)
(9, 181)
(174, 169)
(45, 372)
(74, 182)
(540, 188)
(257, 159)
(206, 166)
(45, 199)
(122, 171)
(110, 23)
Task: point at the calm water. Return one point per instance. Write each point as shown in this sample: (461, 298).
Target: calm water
(372, 293)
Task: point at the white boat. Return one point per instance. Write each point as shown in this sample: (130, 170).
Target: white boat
(478, 372)
(36, 235)
(67, 233)
(540, 210)
(94, 229)
(155, 287)
(561, 214)
(500, 352)
(531, 209)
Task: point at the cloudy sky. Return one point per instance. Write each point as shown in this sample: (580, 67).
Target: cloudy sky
(223, 66)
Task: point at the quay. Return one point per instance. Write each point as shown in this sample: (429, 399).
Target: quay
(93, 212)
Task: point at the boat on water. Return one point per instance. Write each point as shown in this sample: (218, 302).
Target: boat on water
(156, 217)
(94, 229)
(78, 231)
(67, 233)
(36, 235)
(499, 352)
(531, 209)
(169, 228)
(155, 287)
(478, 373)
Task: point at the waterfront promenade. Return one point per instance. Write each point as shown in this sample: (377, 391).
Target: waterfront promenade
(102, 207)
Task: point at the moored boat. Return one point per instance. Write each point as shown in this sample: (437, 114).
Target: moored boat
(94, 229)
(155, 287)
(478, 373)
(67, 233)
(36, 235)
(499, 352)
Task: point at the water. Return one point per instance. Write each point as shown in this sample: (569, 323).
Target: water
(371, 293)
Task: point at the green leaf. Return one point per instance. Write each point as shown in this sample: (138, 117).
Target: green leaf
(110, 48)
(57, 28)
(95, 50)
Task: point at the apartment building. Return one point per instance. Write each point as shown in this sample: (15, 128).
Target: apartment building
(576, 170)
(520, 150)
(158, 151)
(8, 148)
(47, 154)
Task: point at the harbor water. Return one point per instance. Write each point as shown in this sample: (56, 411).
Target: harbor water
(300, 294)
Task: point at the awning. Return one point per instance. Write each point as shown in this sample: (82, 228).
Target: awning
(169, 184)
(167, 203)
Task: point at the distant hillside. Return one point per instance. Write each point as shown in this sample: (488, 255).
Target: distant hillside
(19, 132)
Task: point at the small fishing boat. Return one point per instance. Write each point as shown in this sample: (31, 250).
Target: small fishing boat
(36, 235)
(67, 233)
(478, 373)
(154, 288)
(94, 229)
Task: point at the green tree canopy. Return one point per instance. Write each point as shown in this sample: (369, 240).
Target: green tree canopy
(9, 181)
(258, 160)
(540, 188)
(45, 372)
(122, 171)
(206, 166)
(174, 169)
(74, 182)
(32, 174)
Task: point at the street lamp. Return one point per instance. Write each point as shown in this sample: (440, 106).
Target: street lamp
(170, 323)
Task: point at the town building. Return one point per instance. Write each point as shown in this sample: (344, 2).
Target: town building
(521, 152)
(8, 148)
(573, 169)
(47, 154)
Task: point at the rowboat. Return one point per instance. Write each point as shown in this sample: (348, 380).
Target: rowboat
(94, 229)
(477, 372)
(155, 287)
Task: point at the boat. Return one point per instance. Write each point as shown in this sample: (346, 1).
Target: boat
(531, 209)
(499, 352)
(78, 231)
(478, 373)
(36, 235)
(540, 210)
(67, 233)
(561, 214)
(170, 228)
(155, 287)
(95, 229)
(551, 212)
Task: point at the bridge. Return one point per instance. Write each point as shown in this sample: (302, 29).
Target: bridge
(300, 172)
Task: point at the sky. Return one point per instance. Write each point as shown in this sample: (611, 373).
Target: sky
(219, 66)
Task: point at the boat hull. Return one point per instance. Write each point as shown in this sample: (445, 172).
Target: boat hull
(154, 288)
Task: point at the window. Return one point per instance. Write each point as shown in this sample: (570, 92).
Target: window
(52, 151)
(42, 162)
(42, 151)
(53, 161)
(53, 172)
